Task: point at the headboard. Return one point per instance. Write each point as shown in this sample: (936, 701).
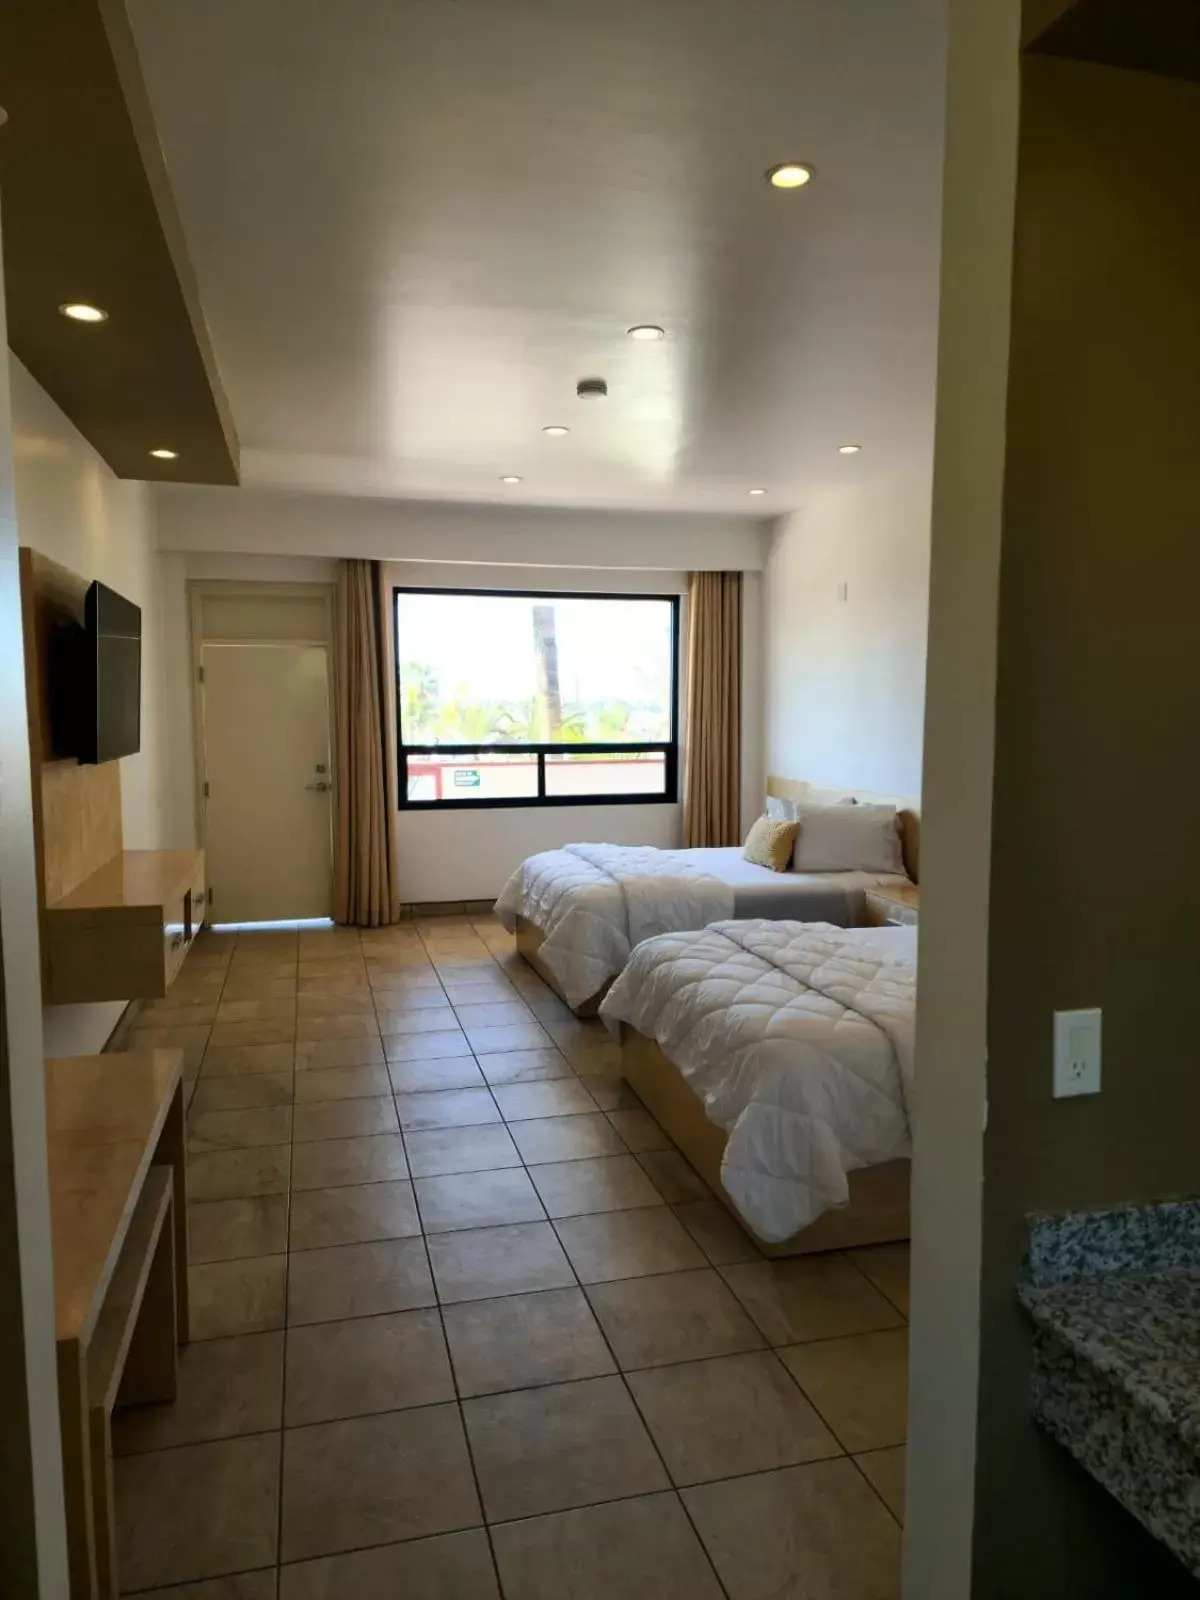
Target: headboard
(908, 811)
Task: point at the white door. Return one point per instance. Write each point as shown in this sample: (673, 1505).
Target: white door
(268, 813)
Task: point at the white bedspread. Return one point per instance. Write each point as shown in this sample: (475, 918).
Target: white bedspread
(798, 1038)
(595, 902)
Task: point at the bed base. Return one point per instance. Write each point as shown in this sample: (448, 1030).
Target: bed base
(878, 1212)
(529, 941)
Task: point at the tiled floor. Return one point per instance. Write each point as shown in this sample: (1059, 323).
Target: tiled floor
(467, 1326)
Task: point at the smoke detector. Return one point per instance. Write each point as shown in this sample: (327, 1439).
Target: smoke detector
(591, 388)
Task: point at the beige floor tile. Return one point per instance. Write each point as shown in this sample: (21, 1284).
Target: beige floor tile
(684, 1316)
(332, 987)
(814, 1532)
(887, 1266)
(403, 977)
(225, 1230)
(548, 1139)
(197, 1511)
(355, 1002)
(487, 1263)
(639, 1130)
(477, 1200)
(729, 1416)
(524, 1340)
(344, 1119)
(403, 999)
(179, 1013)
(244, 1091)
(353, 1214)
(494, 1014)
(482, 990)
(330, 1163)
(269, 1009)
(573, 1188)
(609, 1090)
(643, 1549)
(452, 1566)
(446, 1108)
(372, 1480)
(433, 1151)
(349, 966)
(811, 1297)
(230, 1297)
(238, 1130)
(426, 1019)
(248, 1058)
(524, 1066)
(252, 988)
(858, 1384)
(511, 1036)
(627, 1244)
(349, 1369)
(241, 1586)
(358, 1026)
(426, 1046)
(715, 1231)
(179, 1036)
(430, 1077)
(674, 1177)
(570, 1444)
(341, 1083)
(315, 1054)
(226, 1174)
(226, 1387)
(226, 1035)
(357, 1280)
(561, 1097)
(886, 1470)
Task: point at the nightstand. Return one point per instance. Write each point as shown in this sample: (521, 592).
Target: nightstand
(895, 906)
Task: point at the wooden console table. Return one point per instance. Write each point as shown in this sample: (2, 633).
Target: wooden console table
(116, 1145)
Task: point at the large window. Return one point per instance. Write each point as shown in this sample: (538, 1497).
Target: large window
(535, 699)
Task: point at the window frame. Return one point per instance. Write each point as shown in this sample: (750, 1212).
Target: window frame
(668, 795)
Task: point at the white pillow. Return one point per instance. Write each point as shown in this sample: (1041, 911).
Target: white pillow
(780, 810)
(848, 839)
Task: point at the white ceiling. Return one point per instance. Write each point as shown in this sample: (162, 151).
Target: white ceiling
(416, 223)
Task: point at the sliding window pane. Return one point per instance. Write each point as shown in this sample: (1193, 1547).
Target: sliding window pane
(483, 669)
(483, 775)
(639, 772)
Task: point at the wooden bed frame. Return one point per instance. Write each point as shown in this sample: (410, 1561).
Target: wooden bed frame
(878, 1212)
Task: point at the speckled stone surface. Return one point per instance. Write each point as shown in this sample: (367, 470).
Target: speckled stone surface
(1115, 1298)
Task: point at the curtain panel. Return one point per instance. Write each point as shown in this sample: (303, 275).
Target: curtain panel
(712, 765)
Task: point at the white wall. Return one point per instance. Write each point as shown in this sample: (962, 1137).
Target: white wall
(72, 508)
(845, 677)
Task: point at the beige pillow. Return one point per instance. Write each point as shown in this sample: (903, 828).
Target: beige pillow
(770, 844)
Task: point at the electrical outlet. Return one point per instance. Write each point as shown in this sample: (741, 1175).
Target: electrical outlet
(1076, 1053)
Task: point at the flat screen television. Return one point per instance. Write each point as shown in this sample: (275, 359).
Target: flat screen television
(107, 693)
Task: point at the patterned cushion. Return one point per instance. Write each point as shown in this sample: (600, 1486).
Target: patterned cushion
(770, 844)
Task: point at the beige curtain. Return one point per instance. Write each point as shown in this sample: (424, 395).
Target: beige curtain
(366, 890)
(712, 765)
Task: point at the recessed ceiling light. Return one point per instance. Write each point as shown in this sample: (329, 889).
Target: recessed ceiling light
(556, 430)
(789, 175)
(80, 311)
(646, 331)
(758, 491)
(510, 478)
(849, 449)
(165, 455)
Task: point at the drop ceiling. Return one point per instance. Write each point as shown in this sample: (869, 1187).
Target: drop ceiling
(415, 224)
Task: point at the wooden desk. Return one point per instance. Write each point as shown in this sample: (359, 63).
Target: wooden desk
(118, 1205)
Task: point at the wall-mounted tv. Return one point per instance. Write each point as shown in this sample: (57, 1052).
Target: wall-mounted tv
(106, 687)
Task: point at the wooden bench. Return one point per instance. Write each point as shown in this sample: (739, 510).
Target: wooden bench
(116, 1146)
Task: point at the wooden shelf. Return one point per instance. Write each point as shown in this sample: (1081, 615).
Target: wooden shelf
(123, 932)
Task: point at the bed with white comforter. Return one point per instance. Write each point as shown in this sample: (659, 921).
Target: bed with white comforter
(594, 903)
(798, 1040)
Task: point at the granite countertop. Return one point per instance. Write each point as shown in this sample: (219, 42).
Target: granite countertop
(1115, 1298)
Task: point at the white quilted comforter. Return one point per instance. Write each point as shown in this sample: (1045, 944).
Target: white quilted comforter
(798, 1038)
(595, 902)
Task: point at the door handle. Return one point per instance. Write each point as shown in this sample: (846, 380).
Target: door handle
(320, 787)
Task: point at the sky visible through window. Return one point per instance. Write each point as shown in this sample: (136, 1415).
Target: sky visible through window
(530, 669)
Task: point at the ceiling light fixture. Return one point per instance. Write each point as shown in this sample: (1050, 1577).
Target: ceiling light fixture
(556, 430)
(789, 175)
(80, 311)
(165, 455)
(647, 332)
(510, 477)
(849, 449)
(758, 491)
